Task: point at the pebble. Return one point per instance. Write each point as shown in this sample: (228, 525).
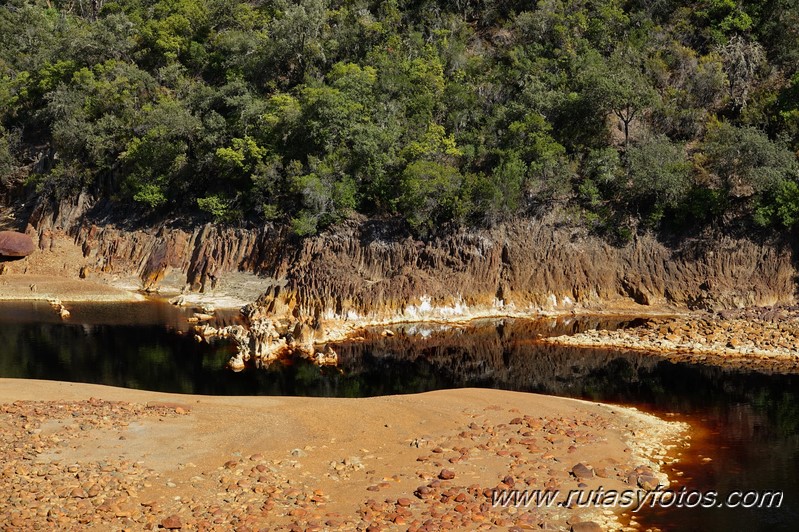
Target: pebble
(648, 482)
(582, 471)
(172, 522)
(446, 474)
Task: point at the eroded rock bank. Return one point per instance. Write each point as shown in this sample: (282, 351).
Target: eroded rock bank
(310, 291)
(75, 240)
(365, 273)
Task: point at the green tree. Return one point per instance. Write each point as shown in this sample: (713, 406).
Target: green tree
(723, 18)
(743, 161)
(500, 195)
(296, 35)
(9, 165)
(659, 175)
(431, 193)
(327, 195)
(743, 61)
(780, 207)
(620, 85)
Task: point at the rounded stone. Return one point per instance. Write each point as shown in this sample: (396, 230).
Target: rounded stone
(582, 471)
(446, 474)
(14, 244)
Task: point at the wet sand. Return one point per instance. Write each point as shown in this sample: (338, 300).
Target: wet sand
(21, 287)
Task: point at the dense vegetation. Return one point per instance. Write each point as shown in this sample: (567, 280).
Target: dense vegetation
(626, 115)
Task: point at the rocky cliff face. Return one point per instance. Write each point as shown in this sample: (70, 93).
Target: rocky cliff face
(361, 270)
(75, 243)
(371, 270)
(368, 271)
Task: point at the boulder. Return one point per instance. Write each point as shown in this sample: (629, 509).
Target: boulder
(446, 474)
(13, 244)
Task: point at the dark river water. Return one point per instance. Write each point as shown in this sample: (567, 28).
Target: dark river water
(748, 423)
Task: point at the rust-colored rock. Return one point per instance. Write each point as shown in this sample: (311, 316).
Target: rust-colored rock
(172, 522)
(582, 471)
(13, 244)
(446, 474)
(648, 482)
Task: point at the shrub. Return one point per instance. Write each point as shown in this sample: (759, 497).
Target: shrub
(431, 193)
(216, 206)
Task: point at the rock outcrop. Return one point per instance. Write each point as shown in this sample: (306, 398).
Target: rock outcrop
(366, 268)
(765, 340)
(362, 270)
(201, 255)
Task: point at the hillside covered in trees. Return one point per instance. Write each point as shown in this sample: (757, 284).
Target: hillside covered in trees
(627, 116)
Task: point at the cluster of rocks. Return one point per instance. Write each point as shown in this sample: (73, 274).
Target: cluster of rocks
(59, 307)
(41, 491)
(259, 342)
(452, 474)
(765, 339)
(262, 492)
(780, 313)
(204, 315)
(531, 453)
(264, 341)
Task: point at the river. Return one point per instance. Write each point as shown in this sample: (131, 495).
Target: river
(746, 423)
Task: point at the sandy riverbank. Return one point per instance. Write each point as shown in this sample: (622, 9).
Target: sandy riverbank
(114, 462)
(21, 287)
(106, 289)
